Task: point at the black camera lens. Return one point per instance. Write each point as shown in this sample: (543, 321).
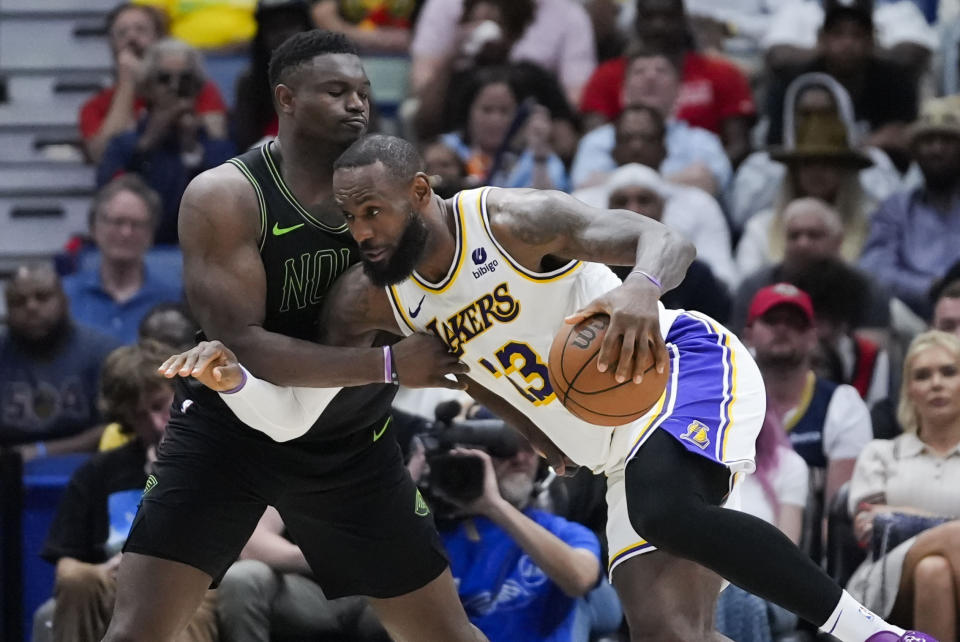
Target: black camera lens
(458, 477)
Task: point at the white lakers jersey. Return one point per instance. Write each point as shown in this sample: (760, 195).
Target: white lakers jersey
(500, 319)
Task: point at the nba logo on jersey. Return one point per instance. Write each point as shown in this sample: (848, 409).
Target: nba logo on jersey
(479, 256)
(697, 434)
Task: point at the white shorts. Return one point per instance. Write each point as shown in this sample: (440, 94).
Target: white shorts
(714, 405)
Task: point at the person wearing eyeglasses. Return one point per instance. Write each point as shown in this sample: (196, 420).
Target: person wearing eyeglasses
(170, 144)
(114, 293)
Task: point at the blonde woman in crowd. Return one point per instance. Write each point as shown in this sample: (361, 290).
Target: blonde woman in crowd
(911, 484)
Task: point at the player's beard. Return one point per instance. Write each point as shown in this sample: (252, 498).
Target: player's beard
(405, 257)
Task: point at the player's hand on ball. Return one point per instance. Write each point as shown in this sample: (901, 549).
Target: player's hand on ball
(209, 362)
(633, 331)
(423, 360)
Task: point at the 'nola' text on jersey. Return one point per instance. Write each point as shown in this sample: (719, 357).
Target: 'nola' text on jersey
(476, 318)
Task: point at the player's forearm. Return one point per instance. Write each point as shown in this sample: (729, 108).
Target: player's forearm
(574, 570)
(664, 255)
(519, 422)
(281, 412)
(286, 361)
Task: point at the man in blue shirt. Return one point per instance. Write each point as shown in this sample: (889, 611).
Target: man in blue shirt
(49, 370)
(522, 573)
(115, 295)
(915, 235)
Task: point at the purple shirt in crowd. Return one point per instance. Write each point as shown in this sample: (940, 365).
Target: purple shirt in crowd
(910, 244)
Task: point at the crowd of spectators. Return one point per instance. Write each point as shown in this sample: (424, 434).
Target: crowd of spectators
(803, 146)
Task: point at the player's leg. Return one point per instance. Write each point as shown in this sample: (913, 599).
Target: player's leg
(673, 499)
(430, 613)
(667, 598)
(365, 530)
(678, 476)
(201, 504)
(155, 598)
(681, 514)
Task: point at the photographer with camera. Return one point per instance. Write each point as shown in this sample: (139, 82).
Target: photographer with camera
(522, 573)
(170, 144)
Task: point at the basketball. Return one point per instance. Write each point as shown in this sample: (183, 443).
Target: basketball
(594, 396)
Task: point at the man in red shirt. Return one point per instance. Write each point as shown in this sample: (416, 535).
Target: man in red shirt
(714, 94)
(131, 29)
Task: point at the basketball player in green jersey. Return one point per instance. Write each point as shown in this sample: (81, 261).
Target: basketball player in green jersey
(263, 243)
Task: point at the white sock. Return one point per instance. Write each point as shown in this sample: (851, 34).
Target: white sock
(852, 622)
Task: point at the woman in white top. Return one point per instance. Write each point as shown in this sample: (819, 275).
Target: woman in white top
(917, 473)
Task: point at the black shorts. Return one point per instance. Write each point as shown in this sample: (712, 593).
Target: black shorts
(351, 506)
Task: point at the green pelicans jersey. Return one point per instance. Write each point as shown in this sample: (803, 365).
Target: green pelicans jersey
(302, 257)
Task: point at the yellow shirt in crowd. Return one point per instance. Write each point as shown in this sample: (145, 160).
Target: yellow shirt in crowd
(209, 24)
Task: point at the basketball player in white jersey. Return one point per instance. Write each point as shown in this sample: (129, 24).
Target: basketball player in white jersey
(494, 273)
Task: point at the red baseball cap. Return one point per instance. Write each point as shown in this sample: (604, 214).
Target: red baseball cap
(779, 294)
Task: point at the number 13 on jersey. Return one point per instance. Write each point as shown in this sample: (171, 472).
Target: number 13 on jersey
(521, 362)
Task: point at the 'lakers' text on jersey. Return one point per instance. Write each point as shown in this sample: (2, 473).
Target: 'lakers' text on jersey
(499, 318)
(476, 318)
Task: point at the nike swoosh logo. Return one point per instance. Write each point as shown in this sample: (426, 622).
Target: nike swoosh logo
(280, 231)
(378, 434)
(414, 313)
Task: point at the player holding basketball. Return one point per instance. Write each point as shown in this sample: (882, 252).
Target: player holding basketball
(494, 273)
(263, 242)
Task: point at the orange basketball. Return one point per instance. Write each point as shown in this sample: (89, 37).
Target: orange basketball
(594, 396)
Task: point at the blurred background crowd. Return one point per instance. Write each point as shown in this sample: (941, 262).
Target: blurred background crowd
(810, 149)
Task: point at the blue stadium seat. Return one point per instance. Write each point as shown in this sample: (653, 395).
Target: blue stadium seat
(44, 481)
(223, 70)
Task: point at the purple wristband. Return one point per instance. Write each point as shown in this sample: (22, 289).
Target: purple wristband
(240, 386)
(390, 374)
(649, 276)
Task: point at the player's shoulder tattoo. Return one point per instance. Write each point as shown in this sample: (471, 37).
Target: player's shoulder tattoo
(527, 216)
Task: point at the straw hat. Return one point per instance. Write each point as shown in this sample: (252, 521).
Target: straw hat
(939, 115)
